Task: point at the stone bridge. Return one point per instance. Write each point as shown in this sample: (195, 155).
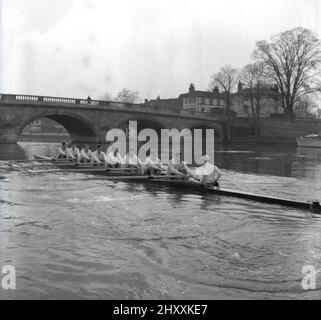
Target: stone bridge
(89, 121)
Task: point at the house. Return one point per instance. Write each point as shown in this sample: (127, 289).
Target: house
(192, 101)
(201, 101)
(214, 102)
(241, 102)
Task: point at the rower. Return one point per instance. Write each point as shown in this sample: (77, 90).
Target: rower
(207, 173)
(152, 164)
(99, 156)
(62, 151)
(131, 160)
(178, 167)
(86, 154)
(114, 158)
(73, 152)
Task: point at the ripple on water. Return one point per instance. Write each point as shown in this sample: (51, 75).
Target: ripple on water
(88, 238)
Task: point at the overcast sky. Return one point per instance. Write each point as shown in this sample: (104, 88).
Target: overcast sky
(76, 48)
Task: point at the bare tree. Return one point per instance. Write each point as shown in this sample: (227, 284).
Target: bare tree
(253, 77)
(126, 95)
(106, 96)
(292, 59)
(225, 80)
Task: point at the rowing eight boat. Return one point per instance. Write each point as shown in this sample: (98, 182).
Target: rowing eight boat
(191, 184)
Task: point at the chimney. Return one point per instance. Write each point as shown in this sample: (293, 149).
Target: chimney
(191, 88)
(239, 87)
(146, 100)
(158, 98)
(216, 91)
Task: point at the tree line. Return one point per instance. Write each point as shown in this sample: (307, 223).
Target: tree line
(289, 62)
(125, 95)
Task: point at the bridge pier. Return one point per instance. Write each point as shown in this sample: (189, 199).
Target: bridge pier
(8, 135)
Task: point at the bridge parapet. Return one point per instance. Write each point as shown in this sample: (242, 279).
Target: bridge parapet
(44, 101)
(89, 120)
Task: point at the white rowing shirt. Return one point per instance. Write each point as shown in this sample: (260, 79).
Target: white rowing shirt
(73, 153)
(209, 170)
(131, 159)
(101, 157)
(86, 155)
(150, 160)
(62, 152)
(112, 159)
(177, 165)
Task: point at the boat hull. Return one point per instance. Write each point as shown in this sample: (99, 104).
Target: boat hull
(308, 143)
(191, 184)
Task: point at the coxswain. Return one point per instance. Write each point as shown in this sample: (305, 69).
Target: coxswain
(86, 154)
(114, 159)
(207, 173)
(73, 152)
(99, 156)
(152, 164)
(177, 166)
(62, 151)
(131, 160)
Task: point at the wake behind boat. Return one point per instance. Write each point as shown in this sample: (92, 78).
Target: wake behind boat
(175, 181)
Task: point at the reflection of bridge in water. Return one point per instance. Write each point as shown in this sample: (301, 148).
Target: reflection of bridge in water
(89, 121)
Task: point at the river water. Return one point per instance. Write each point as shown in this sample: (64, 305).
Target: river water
(76, 236)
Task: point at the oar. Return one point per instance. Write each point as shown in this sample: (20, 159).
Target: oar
(82, 165)
(121, 178)
(40, 160)
(33, 160)
(168, 177)
(75, 165)
(69, 170)
(137, 177)
(122, 169)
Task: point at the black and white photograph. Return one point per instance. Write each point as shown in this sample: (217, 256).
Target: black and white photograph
(160, 151)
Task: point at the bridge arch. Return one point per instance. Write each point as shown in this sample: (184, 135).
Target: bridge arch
(79, 128)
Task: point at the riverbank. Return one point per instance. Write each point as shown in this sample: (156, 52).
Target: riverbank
(266, 141)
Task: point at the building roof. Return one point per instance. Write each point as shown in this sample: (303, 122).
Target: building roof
(202, 94)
